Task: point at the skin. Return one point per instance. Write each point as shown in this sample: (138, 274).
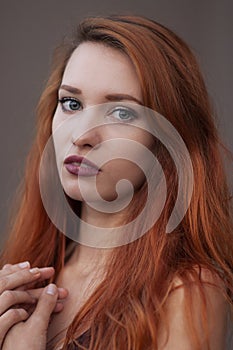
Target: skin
(97, 71)
(25, 312)
(217, 309)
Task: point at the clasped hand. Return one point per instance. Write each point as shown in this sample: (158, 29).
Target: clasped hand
(25, 313)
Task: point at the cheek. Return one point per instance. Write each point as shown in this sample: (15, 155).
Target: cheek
(118, 169)
(138, 158)
(57, 120)
(61, 141)
(147, 140)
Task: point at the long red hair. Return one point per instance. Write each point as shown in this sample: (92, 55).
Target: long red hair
(127, 307)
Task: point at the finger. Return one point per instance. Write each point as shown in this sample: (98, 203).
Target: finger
(35, 293)
(6, 266)
(9, 268)
(18, 278)
(45, 273)
(46, 304)
(10, 318)
(58, 307)
(62, 292)
(30, 308)
(9, 298)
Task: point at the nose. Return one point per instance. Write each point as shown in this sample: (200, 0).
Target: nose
(88, 139)
(88, 132)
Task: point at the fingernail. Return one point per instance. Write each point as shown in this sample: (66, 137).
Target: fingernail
(34, 270)
(51, 289)
(47, 267)
(24, 264)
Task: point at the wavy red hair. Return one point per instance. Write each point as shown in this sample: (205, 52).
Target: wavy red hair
(140, 275)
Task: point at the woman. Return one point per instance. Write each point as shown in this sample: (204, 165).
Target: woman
(160, 290)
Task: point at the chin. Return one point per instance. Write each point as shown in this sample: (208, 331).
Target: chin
(73, 193)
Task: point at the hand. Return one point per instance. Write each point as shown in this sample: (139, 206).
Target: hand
(17, 302)
(32, 333)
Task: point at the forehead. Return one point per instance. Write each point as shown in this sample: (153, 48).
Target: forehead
(99, 67)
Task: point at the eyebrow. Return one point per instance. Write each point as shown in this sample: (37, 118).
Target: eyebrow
(109, 97)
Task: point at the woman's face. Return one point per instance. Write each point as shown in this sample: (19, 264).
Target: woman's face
(97, 98)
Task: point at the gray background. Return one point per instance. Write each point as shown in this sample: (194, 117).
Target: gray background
(31, 29)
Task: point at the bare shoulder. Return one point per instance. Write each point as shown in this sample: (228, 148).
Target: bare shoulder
(184, 307)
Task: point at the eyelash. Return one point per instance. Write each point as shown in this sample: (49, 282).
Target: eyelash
(130, 111)
(63, 100)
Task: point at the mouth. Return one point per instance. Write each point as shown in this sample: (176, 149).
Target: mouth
(78, 165)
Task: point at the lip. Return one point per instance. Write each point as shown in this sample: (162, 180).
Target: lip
(85, 168)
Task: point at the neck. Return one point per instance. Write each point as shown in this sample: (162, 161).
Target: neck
(86, 259)
(101, 219)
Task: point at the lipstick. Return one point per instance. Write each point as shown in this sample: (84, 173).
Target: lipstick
(78, 165)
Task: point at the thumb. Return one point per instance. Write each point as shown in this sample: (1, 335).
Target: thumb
(39, 320)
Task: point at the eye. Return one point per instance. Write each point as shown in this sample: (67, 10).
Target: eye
(123, 113)
(69, 104)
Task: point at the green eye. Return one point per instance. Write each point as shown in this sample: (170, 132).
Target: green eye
(69, 104)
